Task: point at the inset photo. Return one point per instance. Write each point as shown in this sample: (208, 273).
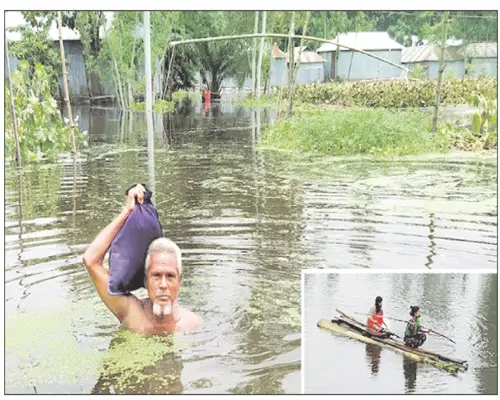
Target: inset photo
(399, 332)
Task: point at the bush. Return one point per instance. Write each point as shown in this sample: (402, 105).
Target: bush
(182, 95)
(42, 132)
(159, 106)
(357, 131)
(396, 93)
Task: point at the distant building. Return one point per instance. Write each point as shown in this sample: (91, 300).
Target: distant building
(427, 56)
(346, 64)
(279, 69)
(483, 58)
(310, 66)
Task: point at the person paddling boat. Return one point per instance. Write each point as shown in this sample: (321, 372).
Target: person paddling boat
(414, 334)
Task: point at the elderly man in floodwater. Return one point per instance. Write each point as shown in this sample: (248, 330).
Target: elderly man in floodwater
(160, 312)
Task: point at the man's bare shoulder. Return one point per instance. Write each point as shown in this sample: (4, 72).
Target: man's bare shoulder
(189, 321)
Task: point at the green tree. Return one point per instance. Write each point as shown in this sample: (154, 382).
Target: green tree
(42, 132)
(221, 59)
(36, 47)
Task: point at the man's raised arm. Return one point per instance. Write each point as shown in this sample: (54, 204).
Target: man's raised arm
(94, 256)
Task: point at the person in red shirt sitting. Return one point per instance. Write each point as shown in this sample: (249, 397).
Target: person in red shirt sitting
(376, 316)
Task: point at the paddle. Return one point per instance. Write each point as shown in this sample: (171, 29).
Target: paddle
(423, 327)
(386, 330)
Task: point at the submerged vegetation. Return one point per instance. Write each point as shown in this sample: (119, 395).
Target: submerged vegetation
(356, 131)
(252, 102)
(382, 131)
(183, 95)
(159, 106)
(383, 118)
(482, 133)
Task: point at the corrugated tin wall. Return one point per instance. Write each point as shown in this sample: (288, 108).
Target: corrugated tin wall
(485, 66)
(279, 72)
(310, 73)
(365, 67)
(457, 68)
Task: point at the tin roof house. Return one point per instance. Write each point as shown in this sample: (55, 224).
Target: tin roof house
(343, 63)
(310, 68)
(483, 58)
(428, 55)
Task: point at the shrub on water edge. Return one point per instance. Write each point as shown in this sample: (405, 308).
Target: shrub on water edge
(182, 95)
(357, 131)
(159, 106)
(395, 93)
(41, 129)
(266, 100)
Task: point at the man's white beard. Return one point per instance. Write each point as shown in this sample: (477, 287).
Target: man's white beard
(164, 311)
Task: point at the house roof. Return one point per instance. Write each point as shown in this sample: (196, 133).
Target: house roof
(306, 55)
(429, 53)
(277, 53)
(363, 41)
(481, 50)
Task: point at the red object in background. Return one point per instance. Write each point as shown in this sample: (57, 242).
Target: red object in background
(206, 94)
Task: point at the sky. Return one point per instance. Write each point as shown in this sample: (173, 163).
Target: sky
(15, 18)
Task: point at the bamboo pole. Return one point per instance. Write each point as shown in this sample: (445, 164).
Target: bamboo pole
(440, 72)
(12, 108)
(352, 56)
(65, 83)
(149, 95)
(291, 63)
(261, 54)
(282, 35)
(297, 66)
(254, 51)
(169, 88)
(117, 72)
(131, 68)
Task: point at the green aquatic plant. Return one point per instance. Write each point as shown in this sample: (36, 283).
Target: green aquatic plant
(396, 93)
(181, 95)
(252, 102)
(159, 106)
(44, 349)
(356, 131)
(43, 133)
(483, 131)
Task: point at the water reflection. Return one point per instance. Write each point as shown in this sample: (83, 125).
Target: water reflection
(410, 373)
(373, 353)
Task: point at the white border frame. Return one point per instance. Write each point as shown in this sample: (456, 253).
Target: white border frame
(364, 271)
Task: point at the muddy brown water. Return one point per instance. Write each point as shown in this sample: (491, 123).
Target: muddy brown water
(247, 218)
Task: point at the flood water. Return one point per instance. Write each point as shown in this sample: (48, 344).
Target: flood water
(248, 219)
(460, 306)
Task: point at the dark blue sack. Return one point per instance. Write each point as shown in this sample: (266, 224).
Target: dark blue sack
(129, 247)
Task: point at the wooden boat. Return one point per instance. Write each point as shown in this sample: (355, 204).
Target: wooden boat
(350, 327)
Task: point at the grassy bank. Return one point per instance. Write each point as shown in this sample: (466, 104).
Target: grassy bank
(357, 131)
(396, 93)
